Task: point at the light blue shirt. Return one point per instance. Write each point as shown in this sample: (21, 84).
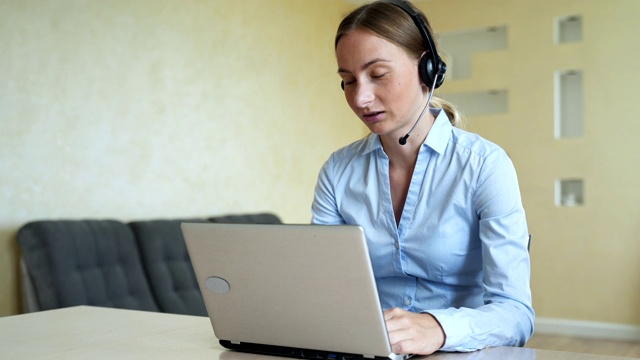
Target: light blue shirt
(460, 249)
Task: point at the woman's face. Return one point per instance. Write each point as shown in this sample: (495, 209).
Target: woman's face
(381, 82)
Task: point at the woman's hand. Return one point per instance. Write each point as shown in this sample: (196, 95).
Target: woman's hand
(411, 333)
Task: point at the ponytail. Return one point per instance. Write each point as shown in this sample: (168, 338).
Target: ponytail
(454, 115)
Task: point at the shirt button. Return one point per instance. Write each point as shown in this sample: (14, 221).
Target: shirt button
(397, 244)
(407, 301)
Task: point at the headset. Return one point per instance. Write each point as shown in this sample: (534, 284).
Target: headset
(431, 67)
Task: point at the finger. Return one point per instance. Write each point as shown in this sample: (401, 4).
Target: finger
(414, 334)
(393, 312)
(396, 321)
(407, 344)
(399, 329)
(402, 347)
(389, 313)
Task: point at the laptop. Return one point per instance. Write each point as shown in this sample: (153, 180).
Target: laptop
(303, 291)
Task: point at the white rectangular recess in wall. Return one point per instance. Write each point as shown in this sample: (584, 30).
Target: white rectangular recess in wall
(569, 192)
(480, 102)
(457, 47)
(569, 104)
(568, 29)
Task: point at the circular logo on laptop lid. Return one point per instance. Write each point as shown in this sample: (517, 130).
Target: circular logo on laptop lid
(217, 285)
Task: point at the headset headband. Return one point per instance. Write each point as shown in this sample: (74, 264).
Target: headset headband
(437, 66)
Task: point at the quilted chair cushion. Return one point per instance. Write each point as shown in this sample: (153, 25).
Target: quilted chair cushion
(85, 262)
(262, 218)
(168, 266)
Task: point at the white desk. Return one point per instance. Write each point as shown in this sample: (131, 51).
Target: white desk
(100, 333)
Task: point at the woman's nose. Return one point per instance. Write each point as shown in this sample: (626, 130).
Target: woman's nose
(363, 95)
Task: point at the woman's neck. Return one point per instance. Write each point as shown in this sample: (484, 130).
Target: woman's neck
(405, 156)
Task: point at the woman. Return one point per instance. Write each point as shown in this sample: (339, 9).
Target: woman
(442, 213)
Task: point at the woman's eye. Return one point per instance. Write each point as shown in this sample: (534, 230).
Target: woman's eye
(349, 81)
(378, 76)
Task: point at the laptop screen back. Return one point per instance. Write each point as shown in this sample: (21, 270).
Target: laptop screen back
(301, 286)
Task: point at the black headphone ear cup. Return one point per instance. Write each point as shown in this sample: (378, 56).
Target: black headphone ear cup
(342, 85)
(427, 72)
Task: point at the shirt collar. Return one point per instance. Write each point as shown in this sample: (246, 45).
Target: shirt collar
(372, 143)
(437, 139)
(440, 132)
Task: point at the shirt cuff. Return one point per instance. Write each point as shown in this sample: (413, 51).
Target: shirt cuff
(456, 330)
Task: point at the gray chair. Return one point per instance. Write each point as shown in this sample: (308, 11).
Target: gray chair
(167, 263)
(143, 265)
(168, 267)
(83, 262)
(260, 218)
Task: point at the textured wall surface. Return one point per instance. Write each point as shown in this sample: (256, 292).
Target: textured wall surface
(585, 259)
(163, 108)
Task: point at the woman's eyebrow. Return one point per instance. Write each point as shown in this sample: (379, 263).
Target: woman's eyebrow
(374, 61)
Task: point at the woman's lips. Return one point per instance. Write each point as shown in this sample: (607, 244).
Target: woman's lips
(373, 116)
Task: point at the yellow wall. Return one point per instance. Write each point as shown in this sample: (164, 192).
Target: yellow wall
(163, 108)
(585, 260)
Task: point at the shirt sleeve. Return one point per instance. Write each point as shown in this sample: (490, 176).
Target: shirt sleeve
(324, 209)
(506, 318)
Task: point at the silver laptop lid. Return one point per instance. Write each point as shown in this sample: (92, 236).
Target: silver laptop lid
(300, 286)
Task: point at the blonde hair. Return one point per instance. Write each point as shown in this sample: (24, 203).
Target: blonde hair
(396, 26)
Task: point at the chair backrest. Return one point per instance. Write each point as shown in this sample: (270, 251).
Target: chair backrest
(167, 263)
(168, 266)
(260, 218)
(142, 265)
(84, 262)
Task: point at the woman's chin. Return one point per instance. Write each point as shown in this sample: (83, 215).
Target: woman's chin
(376, 128)
(380, 130)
